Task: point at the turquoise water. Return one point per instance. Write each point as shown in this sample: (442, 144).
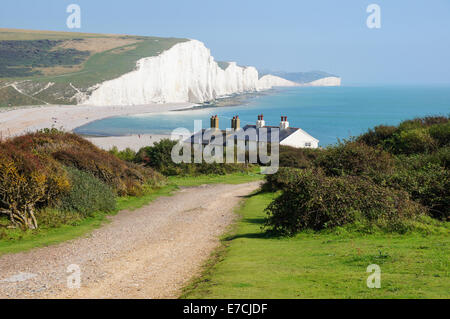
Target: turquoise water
(325, 113)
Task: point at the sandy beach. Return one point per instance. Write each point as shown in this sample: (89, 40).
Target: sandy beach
(134, 142)
(68, 117)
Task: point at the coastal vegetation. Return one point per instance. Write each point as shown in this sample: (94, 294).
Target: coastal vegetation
(158, 157)
(50, 171)
(40, 67)
(55, 186)
(391, 178)
(21, 58)
(251, 263)
(311, 232)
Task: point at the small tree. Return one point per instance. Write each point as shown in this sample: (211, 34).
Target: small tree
(19, 194)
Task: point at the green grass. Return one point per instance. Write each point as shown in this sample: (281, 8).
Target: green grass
(21, 34)
(108, 65)
(251, 264)
(235, 178)
(16, 240)
(98, 68)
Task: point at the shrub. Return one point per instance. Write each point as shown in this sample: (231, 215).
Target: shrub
(423, 122)
(159, 158)
(441, 134)
(315, 201)
(281, 179)
(379, 136)
(413, 141)
(426, 182)
(27, 181)
(354, 158)
(32, 173)
(420, 135)
(126, 155)
(87, 195)
(297, 157)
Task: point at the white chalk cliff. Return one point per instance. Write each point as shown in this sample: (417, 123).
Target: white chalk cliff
(185, 73)
(269, 81)
(328, 81)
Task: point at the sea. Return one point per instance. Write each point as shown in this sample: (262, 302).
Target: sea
(329, 114)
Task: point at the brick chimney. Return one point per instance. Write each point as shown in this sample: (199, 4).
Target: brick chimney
(284, 122)
(214, 122)
(260, 122)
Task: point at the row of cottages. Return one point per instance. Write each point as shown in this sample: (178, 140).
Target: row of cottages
(261, 133)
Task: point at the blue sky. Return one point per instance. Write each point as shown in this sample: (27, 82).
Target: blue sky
(412, 46)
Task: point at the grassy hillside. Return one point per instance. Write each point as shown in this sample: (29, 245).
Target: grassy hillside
(51, 67)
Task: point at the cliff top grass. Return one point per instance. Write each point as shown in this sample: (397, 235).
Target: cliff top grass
(68, 59)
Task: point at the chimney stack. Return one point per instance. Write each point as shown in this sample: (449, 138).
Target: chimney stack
(260, 122)
(235, 122)
(214, 122)
(284, 123)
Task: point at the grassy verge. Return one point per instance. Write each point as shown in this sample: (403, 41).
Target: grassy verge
(235, 178)
(17, 240)
(250, 264)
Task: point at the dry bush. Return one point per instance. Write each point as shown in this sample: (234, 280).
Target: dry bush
(33, 172)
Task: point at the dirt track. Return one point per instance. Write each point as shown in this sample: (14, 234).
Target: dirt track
(147, 253)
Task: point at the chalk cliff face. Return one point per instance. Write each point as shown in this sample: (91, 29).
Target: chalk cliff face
(268, 81)
(328, 81)
(185, 73)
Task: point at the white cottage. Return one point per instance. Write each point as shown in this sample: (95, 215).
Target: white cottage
(289, 136)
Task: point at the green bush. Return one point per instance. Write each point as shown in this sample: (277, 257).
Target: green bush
(315, 201)
(379, 136)
(159, 158)
(126, 155)
(441, 134)
(297, 157)
(413, 141)
(87, 194)
(427, 183)
(281, 179)
(354, 158)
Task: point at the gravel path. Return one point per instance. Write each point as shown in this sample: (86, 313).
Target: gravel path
(147, 253)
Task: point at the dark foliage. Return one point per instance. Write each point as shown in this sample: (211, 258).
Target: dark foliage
(159, 158)
(385, 177)
(87, 194)
(17, 58)
(311, 200)
(354, 158)
(33, 176)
